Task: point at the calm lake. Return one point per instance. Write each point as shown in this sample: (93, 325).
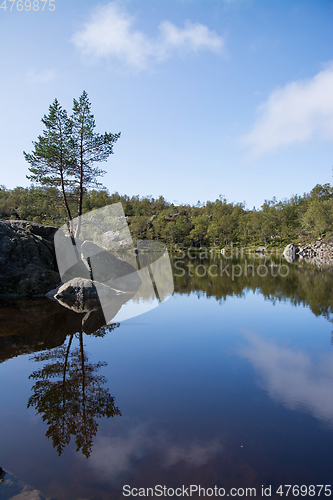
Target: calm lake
(227, 384)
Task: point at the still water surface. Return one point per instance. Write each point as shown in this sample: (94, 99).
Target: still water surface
(229, 383)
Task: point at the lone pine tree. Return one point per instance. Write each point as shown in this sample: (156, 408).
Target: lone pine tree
(66, 154)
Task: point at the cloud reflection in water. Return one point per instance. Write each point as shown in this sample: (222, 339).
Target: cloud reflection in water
(113, 456)
(293, 378)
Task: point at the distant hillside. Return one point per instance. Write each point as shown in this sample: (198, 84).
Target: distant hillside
(213, 224)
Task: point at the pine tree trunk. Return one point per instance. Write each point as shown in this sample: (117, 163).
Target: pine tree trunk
(66, 203)
(79, 207)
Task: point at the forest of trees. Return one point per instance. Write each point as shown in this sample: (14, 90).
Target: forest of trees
(212, 224)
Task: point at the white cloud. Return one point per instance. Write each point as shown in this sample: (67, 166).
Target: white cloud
(110, 33)
(46, 76)
(193, 38)
(299, 111)
(292, 378)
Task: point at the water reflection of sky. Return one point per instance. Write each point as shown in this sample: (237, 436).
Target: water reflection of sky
(292, 377)
(200, 399)
(114, 456)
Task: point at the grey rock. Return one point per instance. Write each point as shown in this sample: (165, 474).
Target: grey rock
(319, 253)
(46, 232)
(81, 295)
(291, 253)
(261, 249)
(28, 264)
(96, 299)
(112, 236)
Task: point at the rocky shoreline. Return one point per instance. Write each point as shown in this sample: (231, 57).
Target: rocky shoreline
(29, 269)
(319, 253)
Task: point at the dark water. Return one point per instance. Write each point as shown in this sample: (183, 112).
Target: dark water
(229, 384)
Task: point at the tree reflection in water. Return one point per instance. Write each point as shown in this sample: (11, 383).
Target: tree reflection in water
(68, 394)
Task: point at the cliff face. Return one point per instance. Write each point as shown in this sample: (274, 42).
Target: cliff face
(28, 266)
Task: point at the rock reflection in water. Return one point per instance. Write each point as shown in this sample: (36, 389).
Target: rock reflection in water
(34, 325)
(86, 296)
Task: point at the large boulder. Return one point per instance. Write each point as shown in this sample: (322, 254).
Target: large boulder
(83, 295)
(100, 302)
(291, 253)
(28, 264)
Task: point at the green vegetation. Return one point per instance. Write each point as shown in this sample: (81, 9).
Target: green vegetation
(64, 156)
(213, 224)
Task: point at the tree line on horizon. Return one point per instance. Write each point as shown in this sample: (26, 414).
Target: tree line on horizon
(213, 224)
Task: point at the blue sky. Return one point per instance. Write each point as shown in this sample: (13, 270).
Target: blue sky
(231, 97)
